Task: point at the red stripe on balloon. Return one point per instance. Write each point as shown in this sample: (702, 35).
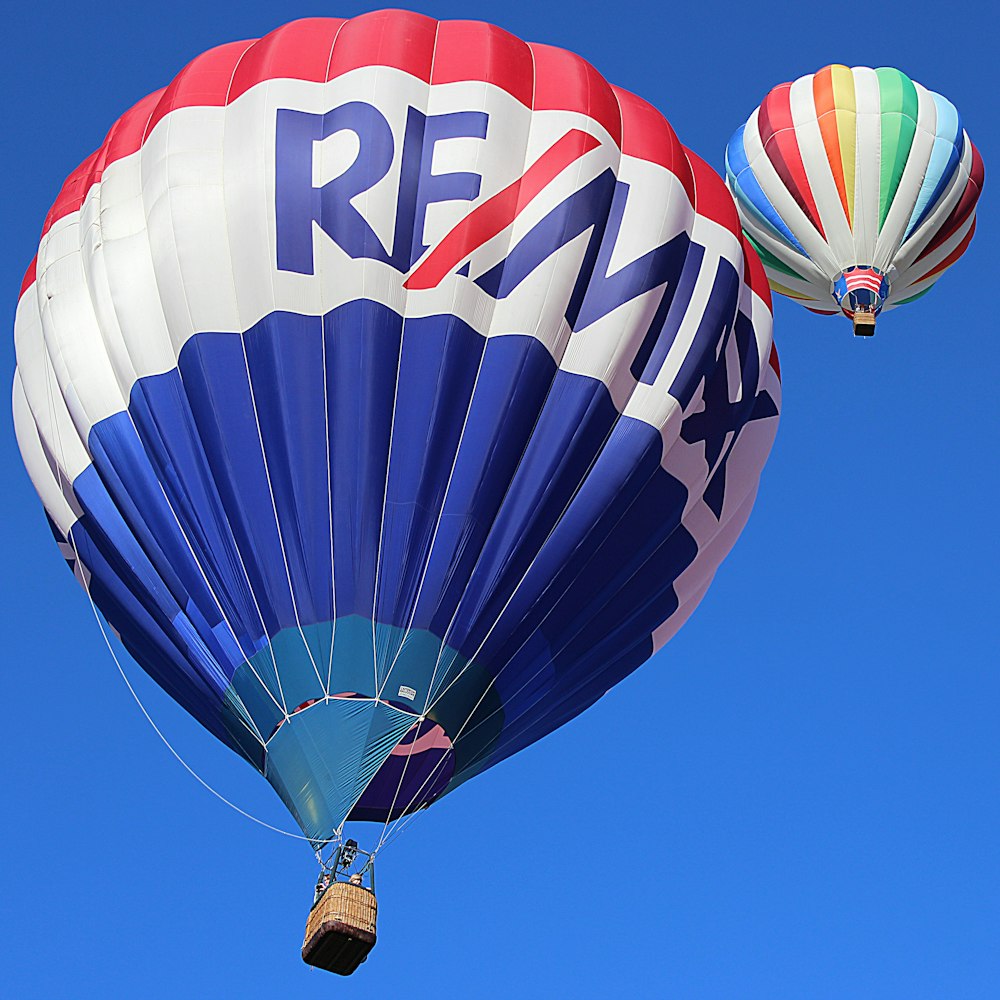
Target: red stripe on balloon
(300, 50)
(497, 213)
(127, 134)
(754, 274)
(125, 137)
(203, 83)
(473, 50)
(712, 197)
(29, 277)
(71, 194)
(777, 133)
(773, 361)
(647, 135)
(398, 39)
(951, 258)
(565, 82)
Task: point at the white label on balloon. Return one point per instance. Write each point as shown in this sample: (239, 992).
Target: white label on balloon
(406, 692)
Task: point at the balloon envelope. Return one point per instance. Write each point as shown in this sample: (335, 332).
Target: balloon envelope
(395, 388)
(858, 188)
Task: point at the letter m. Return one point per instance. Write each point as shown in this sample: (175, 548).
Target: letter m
(600, 207)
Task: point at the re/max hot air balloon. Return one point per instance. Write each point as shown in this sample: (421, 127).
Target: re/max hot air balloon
(394, 388)
(857, 187)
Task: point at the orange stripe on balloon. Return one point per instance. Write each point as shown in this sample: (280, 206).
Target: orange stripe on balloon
(826, 112)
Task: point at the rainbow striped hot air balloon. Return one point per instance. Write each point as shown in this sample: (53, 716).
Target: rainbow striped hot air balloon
(857, 187)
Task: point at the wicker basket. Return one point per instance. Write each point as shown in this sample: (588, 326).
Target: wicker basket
(340, 930)
(864, 324)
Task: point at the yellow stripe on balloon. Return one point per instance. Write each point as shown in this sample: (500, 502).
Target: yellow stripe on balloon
(843, 99)
(781, 290)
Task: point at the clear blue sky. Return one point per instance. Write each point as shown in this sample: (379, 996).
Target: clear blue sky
(802, 802)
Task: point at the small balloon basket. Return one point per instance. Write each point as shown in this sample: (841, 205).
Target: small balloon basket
(864, 324)
(340, 931)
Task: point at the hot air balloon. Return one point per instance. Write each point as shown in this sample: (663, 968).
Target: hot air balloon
(394, 388)
(858, 189)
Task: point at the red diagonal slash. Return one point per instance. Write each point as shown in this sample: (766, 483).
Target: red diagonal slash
(498, 212)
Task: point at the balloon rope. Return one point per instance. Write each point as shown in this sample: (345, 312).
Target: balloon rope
(187, 767)
(85, 580)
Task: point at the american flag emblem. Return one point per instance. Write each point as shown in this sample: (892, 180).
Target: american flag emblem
(861, 287)
(869, 278)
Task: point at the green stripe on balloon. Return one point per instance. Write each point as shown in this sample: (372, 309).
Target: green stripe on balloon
(913, 298)
(898, 99)
(770, 261)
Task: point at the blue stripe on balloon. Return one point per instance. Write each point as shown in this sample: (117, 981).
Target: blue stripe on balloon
(164, 649)
(946, 155)
(439, 365)
(362, 359)
(512, 386)
(751, 195)
(574, 421)
(180, 491)
(577, 615)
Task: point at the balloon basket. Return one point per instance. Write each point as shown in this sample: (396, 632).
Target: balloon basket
(864, 324)
(340, 930)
